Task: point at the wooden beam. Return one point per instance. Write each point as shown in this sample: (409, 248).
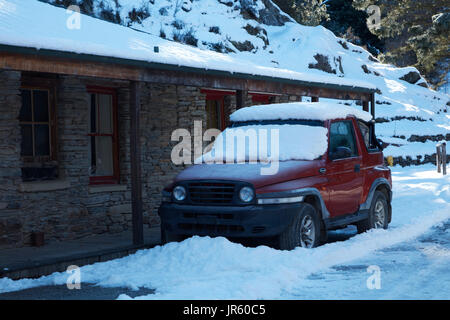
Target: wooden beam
(58, 65)
(365, 106)
(372, 111)
(136, 184)
(241, 97)
(372, 104)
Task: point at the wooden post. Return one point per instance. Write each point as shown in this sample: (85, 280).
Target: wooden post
(438, 157)
(365, 106)
(444, 157)
(314, 99)
(372, 105)
(241, 96)
(136, 185)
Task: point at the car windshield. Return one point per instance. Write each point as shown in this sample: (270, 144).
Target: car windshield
(268, 141)
(313, 123)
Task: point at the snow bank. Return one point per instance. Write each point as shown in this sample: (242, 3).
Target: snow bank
(206, 268)
(411, 149)
(299, 110)
(268, 143)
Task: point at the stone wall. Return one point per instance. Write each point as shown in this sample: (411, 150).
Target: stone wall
(66, 208)
(10, 161)
(69, 207)
(164, 109)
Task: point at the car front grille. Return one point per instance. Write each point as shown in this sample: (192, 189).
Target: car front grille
(210, 228)
(214, 193)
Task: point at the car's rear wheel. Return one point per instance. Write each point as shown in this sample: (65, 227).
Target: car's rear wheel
(304, 231)
(378, 214)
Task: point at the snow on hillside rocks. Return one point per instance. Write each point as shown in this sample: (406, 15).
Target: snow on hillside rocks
(20, 26)
(258, 31)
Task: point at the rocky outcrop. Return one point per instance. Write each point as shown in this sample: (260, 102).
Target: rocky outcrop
(270, 15)
(411, 77)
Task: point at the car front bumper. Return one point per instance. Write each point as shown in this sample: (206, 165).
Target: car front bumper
(228, 221)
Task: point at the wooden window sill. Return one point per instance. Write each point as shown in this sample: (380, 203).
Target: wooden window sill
(43, 186)
(107, 188)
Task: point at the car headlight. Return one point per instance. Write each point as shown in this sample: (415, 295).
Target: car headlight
(246, 194)
(179, 193)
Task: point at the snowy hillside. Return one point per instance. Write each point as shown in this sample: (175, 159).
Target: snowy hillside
(411, 117)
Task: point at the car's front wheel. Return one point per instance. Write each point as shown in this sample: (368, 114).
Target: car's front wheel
(304, 230)
(378, 214)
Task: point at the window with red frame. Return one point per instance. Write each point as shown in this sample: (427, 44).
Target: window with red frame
(261, 98)
(215, 113)
(103, 153)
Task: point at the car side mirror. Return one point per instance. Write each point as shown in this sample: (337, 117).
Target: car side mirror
(380, 144)
(341, 153)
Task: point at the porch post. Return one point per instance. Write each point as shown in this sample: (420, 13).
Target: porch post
(136, 185)
(372, 105)
(241, 96)
(365, 106)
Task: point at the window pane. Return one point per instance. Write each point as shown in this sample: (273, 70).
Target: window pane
(102, 162)
(40, 104)
(105, 121)
(93, 157)
(27, 140)
(25, 111)
(342, 136)
(365, 132)
(213, 114)
(93, 114)
(42, 140)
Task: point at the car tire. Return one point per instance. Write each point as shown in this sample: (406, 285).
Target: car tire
(167, 236)
(378, 214)
(304, 231)
(323, 234)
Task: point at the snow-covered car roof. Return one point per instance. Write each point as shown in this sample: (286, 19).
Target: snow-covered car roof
(299, 110)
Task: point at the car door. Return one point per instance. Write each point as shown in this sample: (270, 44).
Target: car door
(344, 168)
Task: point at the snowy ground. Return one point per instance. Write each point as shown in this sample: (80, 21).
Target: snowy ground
(413, 257)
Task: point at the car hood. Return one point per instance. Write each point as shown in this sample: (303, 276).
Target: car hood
(251, 172)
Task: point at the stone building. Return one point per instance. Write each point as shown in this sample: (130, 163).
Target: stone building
(85, 138)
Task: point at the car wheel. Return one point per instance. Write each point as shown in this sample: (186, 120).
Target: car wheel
(167, 236)
(378, 214)
(304, 230)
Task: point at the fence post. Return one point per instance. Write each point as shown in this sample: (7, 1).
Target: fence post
(438, 157)
(444, 157)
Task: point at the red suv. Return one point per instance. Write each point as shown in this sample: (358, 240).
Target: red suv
(330, 173)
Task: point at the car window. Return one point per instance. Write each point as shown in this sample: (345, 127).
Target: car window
(369, 138)
(342, 135)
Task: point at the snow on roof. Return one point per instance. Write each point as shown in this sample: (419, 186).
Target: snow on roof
(34, 24)
(299, 110)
